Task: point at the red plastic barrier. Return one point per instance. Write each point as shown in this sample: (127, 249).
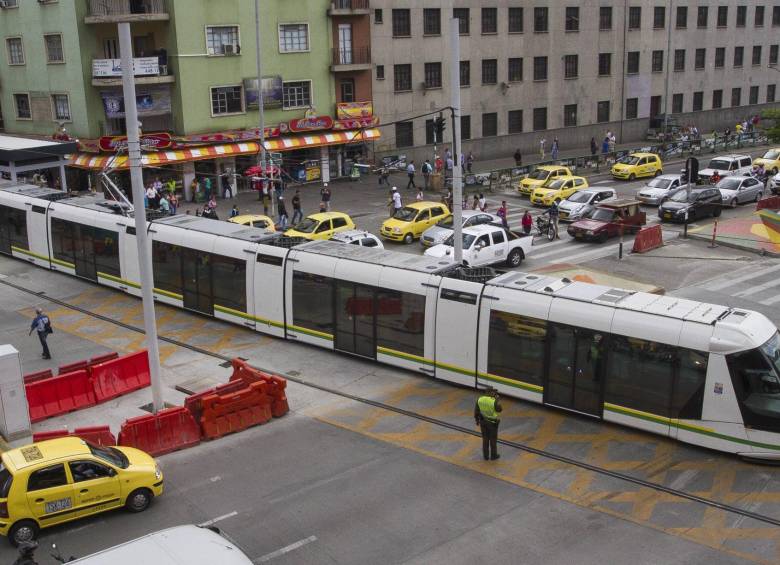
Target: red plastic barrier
(39, 376)
(58, 395)
(231, 412)
(120, 376)
(168, 430)
(52, 434)
(647, 239)
(100, 435)
(70, 367)
(103, 358)
(771, 203)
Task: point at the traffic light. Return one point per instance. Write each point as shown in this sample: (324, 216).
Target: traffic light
(441, 125)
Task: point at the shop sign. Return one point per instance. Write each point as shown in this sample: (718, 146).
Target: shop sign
(112, 143)
(149, 101)
(307, 124)
(271, 87)
(113, 67)
(356, 123)
(227, 136)
(347, 110)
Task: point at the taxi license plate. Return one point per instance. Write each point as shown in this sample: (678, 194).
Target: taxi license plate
(668, 215)
(578, 234)
(564, 215)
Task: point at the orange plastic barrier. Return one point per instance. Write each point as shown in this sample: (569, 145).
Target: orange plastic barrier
(647, 239)
(100, 435)
(194, 402)
(121, 375)
(58, 395)
(771, 203)
(232, 412)
(39, 376)
(168, 430)
(276, 385)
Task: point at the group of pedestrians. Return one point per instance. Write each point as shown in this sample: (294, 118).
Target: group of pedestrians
(162, 197)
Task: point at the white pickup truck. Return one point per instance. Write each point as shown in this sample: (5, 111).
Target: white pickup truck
(486, 244)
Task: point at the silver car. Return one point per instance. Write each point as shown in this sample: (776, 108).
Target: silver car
(740, 189)
(726, 166)
(774, 184)
(659, 189)
(437, 233)
(361, 238)
(582, 202)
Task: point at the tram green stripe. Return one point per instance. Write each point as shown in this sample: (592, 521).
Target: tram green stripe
(510, 382)
(43, 257)
(118, 280)
(168, 294)
(246, 316)
(405, 356)
(313, 333)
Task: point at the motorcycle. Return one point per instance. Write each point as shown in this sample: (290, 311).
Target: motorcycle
(545, 226)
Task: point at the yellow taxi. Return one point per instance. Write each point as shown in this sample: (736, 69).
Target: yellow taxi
(770, 160)
(638, 165)
(408, 223)
(541, 175)
(63, 479)
(321, 225)
(254, 221)
(557, 189)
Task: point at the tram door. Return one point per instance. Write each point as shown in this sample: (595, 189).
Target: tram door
(84, 252)
(197, 291)
(576, 367)
(355, 320)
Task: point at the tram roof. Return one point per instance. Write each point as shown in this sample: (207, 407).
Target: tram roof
(35, 191)
(219, 228)
(658, 304)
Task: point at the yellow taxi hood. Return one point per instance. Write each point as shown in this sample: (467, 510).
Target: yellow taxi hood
(544, 191)
(765, 162)
(532, 182)
(136, 457)
(295, 233)
(395, 223)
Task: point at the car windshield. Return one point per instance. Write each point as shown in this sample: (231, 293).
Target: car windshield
(446, 222)
(6, 479)
(682, 196)
(730, 183)
(659, 183)
(719, 164)
(468, 239)
(579, 197)
(539, 174)
(629, 160)
(308, 225)
(556, 184)
(405, 214)
(772, 154)
(109, 455)
(602, 215)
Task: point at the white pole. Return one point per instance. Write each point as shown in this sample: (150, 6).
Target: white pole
(137, 183)
(260, 109)
(457, 178)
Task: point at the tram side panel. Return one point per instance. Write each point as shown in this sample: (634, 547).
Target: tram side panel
(309, 298)
(457, 314)
(128, 258)
(232, 279)
(268, 286)
(168, 245)
(23, 228)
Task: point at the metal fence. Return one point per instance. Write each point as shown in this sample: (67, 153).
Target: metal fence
(126, 7)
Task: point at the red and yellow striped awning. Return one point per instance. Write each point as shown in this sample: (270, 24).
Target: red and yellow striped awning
(287, 143)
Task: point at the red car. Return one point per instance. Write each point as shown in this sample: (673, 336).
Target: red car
(608, 219)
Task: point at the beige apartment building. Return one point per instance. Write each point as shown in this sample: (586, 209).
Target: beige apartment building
(570, 70)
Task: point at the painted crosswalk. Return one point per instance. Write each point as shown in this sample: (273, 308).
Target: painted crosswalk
(758, 283)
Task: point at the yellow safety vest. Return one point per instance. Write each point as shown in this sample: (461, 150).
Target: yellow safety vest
(487, 407)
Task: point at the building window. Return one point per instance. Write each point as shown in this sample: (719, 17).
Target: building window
(632, 63)
(403, 78)
(677, 103)
(698, 101)
(515, 20)
(489, 71)
(570, 66)
(378, 16)
(570, 115)
(682, 17)
(222, 40)
(659, 17)
(679, 60)
(632, 108)
(634, 17)
(490, 124)
(759, 17)
(655, 105)
(463, 19)
(700, 59)
(489, 20)
(572, 18)
(541, 20)
(702, 16)
(720, 57)
(431, 21)
(756, 55)
(402, 23)
(739, 56)
(380, 72)
(770, 93)
(15, 51)
(465, 127)
(736, 96)
(540, 68)
(605, 64)
(404, 134)
(540, 119)
(776, 16)
(723, 16)
(515, 121)
(347, 89)
(658, 61)
(717, 99)
(432, 75)
(602, 111)
(605, 18)
(465, 73)
(60, 107)
(296, 94)
(293, 38)
(773, 54)
(226, 100)
(753, 95)
(22, 103)
(741, 16)
(54, 52)
(515, 69)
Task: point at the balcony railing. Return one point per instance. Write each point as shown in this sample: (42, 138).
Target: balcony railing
(348, 7)
(104, 8)
(353, 56)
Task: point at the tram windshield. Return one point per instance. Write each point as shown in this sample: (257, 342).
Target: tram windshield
(756, 378)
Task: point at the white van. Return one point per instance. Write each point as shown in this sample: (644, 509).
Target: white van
(181, 545)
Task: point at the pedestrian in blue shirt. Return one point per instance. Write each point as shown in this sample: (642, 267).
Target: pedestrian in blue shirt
(42, 325)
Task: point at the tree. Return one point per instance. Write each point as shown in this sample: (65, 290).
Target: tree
(773, 127)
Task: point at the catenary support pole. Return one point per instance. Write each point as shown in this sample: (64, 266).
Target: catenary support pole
(137, 183)
(457, 172)
(260, 109)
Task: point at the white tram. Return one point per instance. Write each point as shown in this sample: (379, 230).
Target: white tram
(701, 373)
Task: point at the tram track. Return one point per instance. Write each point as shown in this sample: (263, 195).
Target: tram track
(421, 417)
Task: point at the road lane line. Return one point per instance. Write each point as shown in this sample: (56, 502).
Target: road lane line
(590, 255)
(218, 519)
(756, 289)
(754, 274)
(286, 549)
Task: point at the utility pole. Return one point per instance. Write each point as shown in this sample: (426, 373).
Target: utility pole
(668, 69)
(457, 173)
(260, 109)
(137, 184)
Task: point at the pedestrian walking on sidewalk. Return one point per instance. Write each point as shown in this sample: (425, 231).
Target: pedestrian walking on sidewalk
(325, 197)
(487, 414)
(518, 157)
(501, 213)
(410, 174)
(427, 169)
(42, 324)
(554, 149)
(469, 161)
(605, 146)
(296, 204)
(420, 196)
(482, 203)
(475, 202)
(527, 222)
(282, 212)
(542, 145)
(395, 201)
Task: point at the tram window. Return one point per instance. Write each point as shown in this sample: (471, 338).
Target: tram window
(39, 209)
(313, 302)
(166, 266)
(130, 230)
(689, 385)
(400, 321)
(63, 244)
(458, 296)
(229, 280)
(640, 375)
(516, 347)
(755, 379)
(270, 259)
(106, 246)
(13, 229)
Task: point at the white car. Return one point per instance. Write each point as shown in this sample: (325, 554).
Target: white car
(582, 202)
(738, 190)
(727, 165)
(486, 245)
(774, 184)
(362, 238)
(435, 234)
(659, 189)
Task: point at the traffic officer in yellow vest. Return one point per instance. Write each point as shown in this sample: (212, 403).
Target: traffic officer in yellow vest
(487, 415)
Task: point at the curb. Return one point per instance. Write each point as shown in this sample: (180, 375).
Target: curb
(732, 245)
